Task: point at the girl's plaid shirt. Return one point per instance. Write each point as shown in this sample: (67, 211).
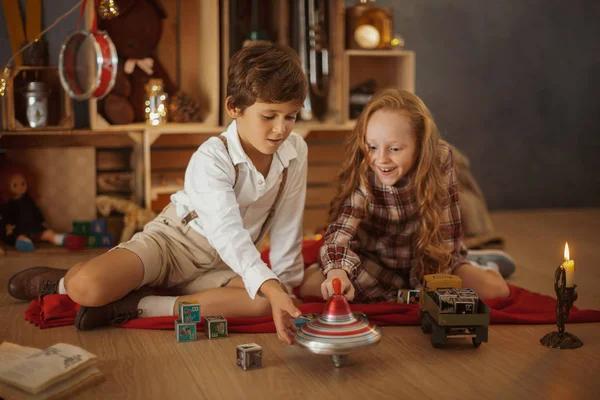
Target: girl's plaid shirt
(385, 235)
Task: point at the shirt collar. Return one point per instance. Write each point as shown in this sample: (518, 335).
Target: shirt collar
(286, 152)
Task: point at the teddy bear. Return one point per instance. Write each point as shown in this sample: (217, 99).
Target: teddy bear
(136, 32)
(21, 220)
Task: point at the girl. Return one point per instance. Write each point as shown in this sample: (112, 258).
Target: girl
(396, 215)
(239, 186)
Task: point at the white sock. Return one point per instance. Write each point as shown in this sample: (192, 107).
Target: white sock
(157, 306)
(59, 239)
(490, 265)
(61, 286)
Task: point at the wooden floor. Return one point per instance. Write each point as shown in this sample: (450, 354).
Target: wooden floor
(151, 365)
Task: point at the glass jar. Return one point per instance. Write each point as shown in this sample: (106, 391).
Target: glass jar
(36, 104)
(155, 105)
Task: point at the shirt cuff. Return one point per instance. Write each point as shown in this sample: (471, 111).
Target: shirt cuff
(255, 276)
(351, 271)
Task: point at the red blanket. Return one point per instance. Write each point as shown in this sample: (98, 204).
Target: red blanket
(521, 307)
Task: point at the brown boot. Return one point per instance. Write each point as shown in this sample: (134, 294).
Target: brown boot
(28, 284)
(115, 313)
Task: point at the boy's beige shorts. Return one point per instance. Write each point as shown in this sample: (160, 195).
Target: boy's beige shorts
(176, 256)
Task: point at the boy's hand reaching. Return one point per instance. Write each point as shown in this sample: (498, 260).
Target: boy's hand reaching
(347, 287)
(284, 310)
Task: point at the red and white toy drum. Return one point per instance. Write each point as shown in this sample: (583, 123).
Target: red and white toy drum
(88, 64)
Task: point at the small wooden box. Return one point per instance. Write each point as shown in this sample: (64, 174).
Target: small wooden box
(60, 105)
(249, 356)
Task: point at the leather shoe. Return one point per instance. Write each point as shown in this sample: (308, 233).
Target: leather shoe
(32, 282)
(115, 313)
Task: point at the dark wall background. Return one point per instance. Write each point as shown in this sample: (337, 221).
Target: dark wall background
(513, 83)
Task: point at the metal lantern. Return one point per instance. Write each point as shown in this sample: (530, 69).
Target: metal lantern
(338, 332)
(36, 103)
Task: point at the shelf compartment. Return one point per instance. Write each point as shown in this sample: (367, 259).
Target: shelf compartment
(389, 68)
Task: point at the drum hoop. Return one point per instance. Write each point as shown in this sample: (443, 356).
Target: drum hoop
(98, 59)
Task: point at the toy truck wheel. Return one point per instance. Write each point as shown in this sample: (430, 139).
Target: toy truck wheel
(475, 342)
(425, 325)
(438, 335)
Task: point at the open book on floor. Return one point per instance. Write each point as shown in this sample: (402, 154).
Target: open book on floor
(55, 372)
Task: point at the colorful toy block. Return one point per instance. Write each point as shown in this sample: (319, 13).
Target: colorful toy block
(189, 311)
(98, 227)
(91, 241)
(105, 240)
(249, 356)
(82, 228)
(74, 242)
(215, 327)
(185, 332)
(408, 296)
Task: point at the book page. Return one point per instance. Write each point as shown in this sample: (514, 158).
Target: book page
(68, 387)
(11, 353)
(46, 367)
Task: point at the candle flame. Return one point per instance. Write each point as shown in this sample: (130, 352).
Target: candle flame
(567, 252)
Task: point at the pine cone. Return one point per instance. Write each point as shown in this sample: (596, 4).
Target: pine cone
(184, 108)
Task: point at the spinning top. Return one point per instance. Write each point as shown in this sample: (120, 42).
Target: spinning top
(338, 332)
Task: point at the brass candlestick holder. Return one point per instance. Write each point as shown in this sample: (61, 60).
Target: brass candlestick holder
(565, 297)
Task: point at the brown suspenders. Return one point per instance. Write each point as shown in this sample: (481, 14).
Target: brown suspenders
(192, 215)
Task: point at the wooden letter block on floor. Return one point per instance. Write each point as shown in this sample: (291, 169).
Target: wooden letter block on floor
(185, 332)
(249, 356)
(215, 327)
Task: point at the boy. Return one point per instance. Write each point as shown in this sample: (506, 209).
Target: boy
(237, 187)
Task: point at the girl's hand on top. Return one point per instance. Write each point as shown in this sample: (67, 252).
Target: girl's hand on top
(347, 287)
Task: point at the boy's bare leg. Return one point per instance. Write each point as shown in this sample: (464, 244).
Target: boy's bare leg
(105, 278)
(229, 301)
(487, 283)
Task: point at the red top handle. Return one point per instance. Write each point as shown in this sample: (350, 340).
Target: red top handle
(337, 286)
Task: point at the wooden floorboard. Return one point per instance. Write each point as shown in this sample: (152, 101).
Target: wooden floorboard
(148, 364)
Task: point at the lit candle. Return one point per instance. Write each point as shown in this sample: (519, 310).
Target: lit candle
(569, 266)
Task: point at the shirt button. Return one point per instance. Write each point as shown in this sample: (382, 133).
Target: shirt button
(260, 181)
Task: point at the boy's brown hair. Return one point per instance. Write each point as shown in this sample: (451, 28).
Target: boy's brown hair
(265, 72)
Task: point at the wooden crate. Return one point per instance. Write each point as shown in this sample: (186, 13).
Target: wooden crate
(197, 29)
(389, 68)
(60, 105)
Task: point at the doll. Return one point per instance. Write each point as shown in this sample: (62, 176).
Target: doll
(22, 222)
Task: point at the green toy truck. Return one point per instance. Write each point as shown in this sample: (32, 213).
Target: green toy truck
(448, 311)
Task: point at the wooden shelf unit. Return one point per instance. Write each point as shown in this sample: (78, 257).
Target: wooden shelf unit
(161, 152)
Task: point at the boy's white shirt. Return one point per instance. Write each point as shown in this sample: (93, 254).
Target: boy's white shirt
(231, 219)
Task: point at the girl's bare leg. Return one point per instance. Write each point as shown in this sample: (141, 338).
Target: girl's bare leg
(104, 279)
(487, 283)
